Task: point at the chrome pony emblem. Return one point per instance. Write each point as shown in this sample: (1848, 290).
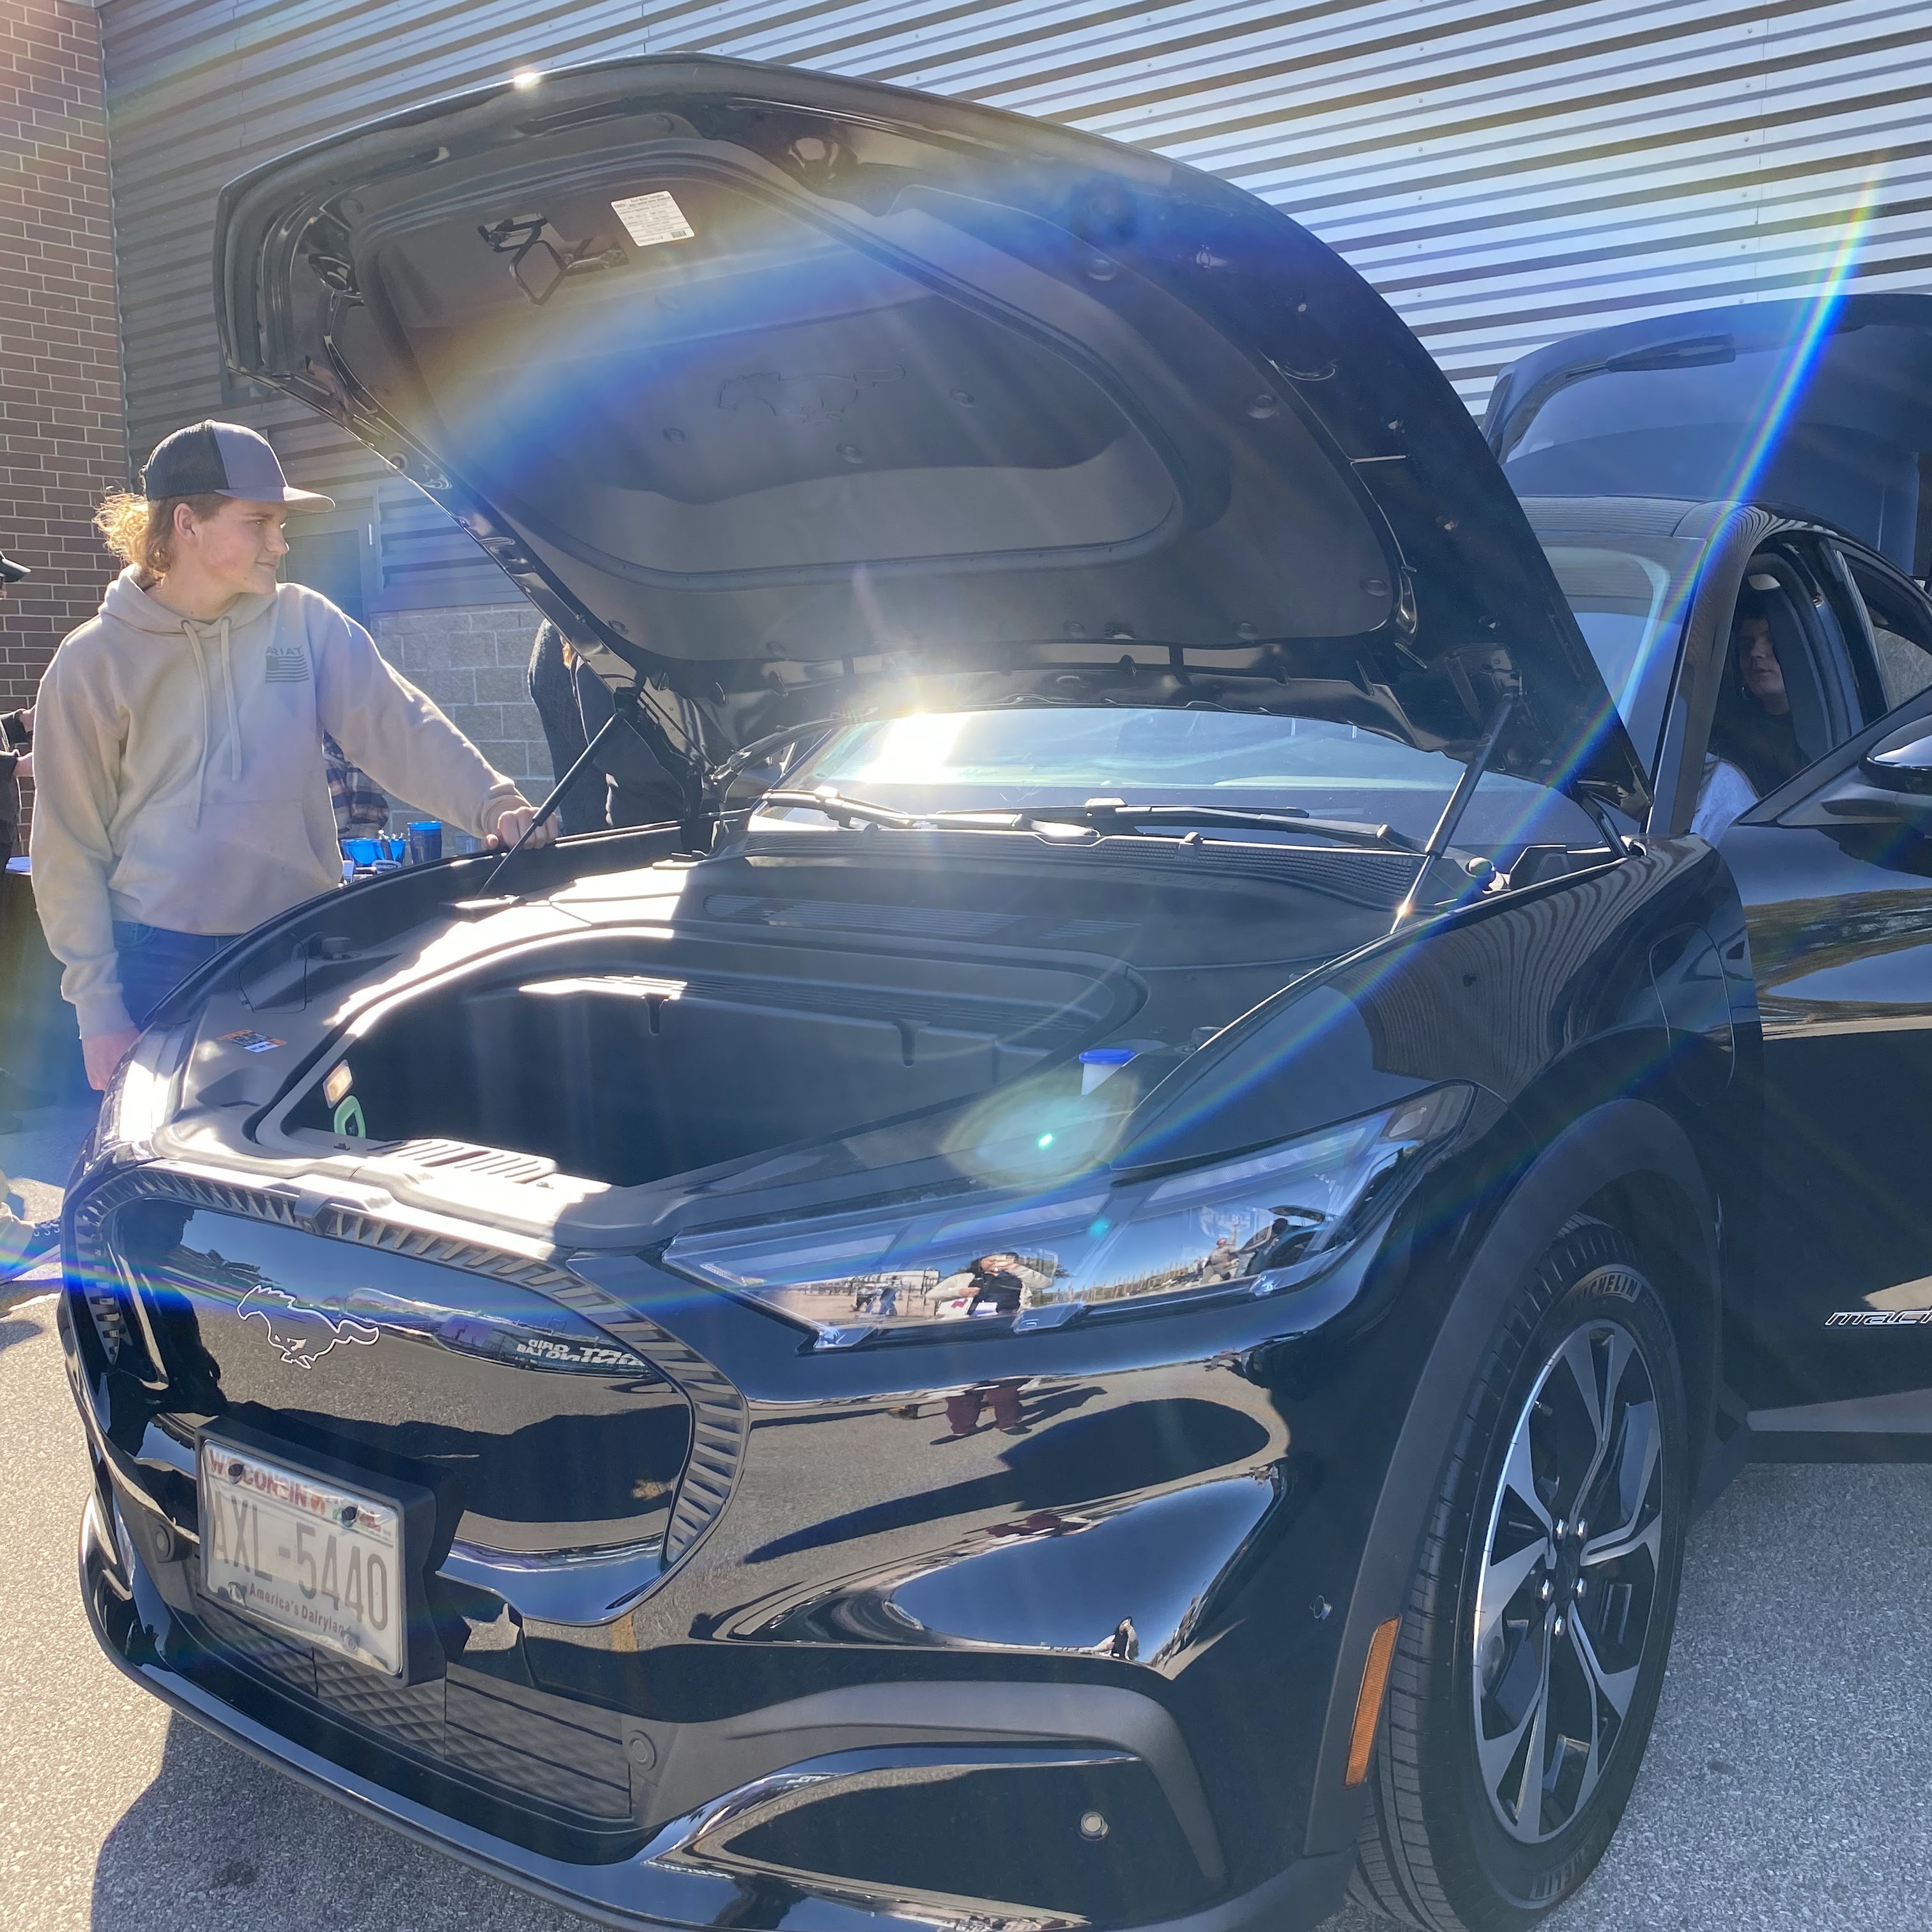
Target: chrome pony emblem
(303, 1335)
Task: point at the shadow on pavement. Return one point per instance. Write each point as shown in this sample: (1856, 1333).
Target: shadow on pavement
(218, 1841)
(25, 1327)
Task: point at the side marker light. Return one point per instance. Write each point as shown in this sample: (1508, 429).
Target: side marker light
(1369, 1703)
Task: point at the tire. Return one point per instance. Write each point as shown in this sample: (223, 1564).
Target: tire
(1457, 1839)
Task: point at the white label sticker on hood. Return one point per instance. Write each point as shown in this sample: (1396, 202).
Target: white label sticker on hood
(652, 218)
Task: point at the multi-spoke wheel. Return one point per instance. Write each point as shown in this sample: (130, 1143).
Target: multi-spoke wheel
(1530, 1660)
(1568, 1581)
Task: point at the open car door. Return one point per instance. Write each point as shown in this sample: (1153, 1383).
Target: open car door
(1823, 414)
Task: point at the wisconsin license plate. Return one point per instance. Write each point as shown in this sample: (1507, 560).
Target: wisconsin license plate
(303, 1556)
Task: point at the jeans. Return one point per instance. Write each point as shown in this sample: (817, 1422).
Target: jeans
(155, 961)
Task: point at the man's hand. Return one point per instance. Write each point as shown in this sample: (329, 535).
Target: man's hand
(515, 822)
(104, 1052)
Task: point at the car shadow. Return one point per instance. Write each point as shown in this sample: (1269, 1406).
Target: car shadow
(218, 1841)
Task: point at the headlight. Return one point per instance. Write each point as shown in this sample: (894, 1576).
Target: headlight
(1268, 1221)
(141, 1095)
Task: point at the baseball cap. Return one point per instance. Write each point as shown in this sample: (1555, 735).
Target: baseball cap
(220, 459)
(11, 572)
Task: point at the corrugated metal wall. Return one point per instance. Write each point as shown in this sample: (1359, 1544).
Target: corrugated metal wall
(1505, 173)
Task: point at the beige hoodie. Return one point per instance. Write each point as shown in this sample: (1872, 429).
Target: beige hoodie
(178, 777)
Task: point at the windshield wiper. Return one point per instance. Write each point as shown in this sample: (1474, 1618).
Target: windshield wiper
(1097, 814)
(1101, 813)
(845, 811)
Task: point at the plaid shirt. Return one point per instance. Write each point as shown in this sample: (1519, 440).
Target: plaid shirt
(362, 808)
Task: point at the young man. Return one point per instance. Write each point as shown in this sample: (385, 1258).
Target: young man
(182, 797)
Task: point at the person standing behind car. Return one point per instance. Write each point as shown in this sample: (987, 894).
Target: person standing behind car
(182, 795)
(21, 1243)
(575, 704)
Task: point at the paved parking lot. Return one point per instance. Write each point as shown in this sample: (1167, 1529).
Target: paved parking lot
(1787, 1785)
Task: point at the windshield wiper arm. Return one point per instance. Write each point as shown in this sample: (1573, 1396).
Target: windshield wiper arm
(1288, 818)
(845, 811)
(1099, 816)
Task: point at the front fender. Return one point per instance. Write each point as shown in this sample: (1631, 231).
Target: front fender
(1616, 1143)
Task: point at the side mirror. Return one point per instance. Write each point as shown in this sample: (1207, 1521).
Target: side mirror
(1891, 784)
(1902, 762)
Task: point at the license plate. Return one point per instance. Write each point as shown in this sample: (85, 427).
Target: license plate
(303, 1556)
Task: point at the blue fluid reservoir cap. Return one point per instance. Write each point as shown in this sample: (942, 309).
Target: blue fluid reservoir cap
(1099, 1063)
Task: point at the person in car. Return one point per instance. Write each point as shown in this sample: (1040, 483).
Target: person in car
(1754, 744)
(181, 793)
(1754, 729)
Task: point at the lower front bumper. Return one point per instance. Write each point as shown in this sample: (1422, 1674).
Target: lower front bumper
(669, 1882)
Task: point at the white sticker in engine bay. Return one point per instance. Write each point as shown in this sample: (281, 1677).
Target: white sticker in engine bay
(649, 219)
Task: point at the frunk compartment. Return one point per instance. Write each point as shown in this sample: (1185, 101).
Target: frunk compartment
(626, 1065)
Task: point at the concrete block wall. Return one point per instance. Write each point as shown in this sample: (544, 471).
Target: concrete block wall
(473, 662)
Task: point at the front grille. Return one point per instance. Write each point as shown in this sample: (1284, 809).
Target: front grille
(517, 1742)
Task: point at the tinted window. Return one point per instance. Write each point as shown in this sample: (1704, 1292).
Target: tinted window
(1899, 630)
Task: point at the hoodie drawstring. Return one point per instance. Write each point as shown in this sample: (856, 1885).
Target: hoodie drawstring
(195, 640)
(207, 720)
(234, 710)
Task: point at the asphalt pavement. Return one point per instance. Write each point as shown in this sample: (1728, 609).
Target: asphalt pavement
(1786, 1783)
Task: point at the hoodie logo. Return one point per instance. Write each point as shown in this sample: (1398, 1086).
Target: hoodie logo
(303, 1335)
(288, 663)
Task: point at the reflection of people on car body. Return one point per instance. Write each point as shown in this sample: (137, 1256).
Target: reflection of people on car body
(962, 1410)
(1754, 744)
(995, 1283)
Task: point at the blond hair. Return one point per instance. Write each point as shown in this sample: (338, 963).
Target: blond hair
(141, 533)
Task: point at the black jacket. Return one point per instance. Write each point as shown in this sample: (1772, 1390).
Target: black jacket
(575, 704)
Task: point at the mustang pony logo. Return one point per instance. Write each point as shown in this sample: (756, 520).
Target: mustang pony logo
(303, 1335)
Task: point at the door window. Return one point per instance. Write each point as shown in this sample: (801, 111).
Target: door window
(1901, 631)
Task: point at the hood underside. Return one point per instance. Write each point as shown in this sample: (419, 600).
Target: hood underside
(801, 397)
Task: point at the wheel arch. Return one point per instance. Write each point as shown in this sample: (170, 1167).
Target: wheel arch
(1625, 1162)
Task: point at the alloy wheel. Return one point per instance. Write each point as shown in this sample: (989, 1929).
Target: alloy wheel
(1569, 1580)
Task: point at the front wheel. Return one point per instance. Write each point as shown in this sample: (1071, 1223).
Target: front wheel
(1533, 1645)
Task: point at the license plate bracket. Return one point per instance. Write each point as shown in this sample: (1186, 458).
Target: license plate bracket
(277, 1548)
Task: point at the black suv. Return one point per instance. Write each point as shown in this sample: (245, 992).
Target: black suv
(1098, 1292)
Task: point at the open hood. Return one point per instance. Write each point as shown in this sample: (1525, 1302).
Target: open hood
(797, 397)
(1825, 413)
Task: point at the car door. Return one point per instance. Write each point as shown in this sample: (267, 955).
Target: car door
(1834, 1321)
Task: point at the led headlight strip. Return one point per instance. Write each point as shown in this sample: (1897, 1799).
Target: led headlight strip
(1264, 1222)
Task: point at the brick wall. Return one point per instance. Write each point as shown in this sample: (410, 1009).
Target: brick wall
(62, 443)
(473, 662)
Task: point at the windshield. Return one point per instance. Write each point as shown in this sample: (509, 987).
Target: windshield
(1629, 595)
(1005, 760)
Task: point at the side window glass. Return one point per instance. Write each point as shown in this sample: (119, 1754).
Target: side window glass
(1902, 631)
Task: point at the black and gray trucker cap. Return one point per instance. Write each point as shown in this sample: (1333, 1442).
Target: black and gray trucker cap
(219, 459)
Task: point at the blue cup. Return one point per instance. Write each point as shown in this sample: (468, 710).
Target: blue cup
(425, 840)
